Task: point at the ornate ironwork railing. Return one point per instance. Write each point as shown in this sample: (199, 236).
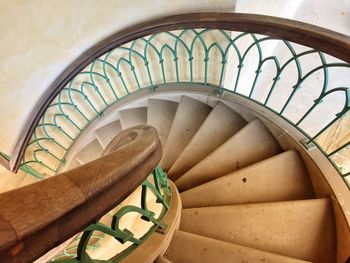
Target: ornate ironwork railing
(298, 71)
(125, 238)
(267, 61)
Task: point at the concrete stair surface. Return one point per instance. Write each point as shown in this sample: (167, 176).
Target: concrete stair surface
(160, 114)
(90, 152)
(187, 247)
(220, 125)
(251, 144)
(244, 199)
(133, 117)
(189, 116)
(301, 229)
(282, 177)
(106, 133)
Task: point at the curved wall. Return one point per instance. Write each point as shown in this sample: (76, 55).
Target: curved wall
(39, 39)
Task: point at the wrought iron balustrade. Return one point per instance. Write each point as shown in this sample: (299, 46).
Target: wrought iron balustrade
(298, 71)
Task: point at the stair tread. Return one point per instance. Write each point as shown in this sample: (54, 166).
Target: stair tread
(279, 178)
(106, 133)
(160, 115)
(192, 248)
(90, 152)
(301, 229)
(162, 259)
(12, 181)
(221, 123)
(251, 144)
(132, 117)
(28, 179)
(183, 128)
(73, 164)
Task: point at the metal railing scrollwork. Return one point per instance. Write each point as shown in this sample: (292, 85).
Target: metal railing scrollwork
(269, 63)
(88, 241)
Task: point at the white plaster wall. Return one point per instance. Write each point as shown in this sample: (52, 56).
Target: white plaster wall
(331, 14)
(334, 15)
(39, 39)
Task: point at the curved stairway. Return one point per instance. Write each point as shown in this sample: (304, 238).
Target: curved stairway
(244, 199)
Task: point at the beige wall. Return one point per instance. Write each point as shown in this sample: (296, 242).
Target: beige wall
(331, 14)
(39, 38)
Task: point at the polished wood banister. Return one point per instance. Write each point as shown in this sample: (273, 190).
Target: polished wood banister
(325, 40)
(38, 217)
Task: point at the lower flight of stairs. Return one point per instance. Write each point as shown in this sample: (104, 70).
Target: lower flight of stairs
(244, 198)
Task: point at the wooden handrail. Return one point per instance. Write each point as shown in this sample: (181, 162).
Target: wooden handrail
(38, 217)
(325, 40)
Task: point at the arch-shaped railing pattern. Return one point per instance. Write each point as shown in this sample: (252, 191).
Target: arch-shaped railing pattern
(298, 71)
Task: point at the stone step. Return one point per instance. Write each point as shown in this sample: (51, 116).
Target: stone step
(90, 152)
(160, 114)
(28, 179)
(301, 229)
(162, 259)
(191, 248)
(279, 178)
(106, 133)
(132, 117)
(189, 116)
(251, 144)
(12, 181)
(218, 127)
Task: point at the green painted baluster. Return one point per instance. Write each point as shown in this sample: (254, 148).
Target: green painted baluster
(224, 58)
(184, 45)
(164, 47)
(258, 71)
(96, 89)
(299, 83)
(149, 44)
(132, 51)
(240, 66)
(295, 59)
(105, 77)
(199, 37)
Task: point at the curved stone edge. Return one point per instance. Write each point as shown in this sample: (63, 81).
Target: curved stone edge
(158, 243)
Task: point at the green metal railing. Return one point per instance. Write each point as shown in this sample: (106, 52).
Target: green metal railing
(89, 240)
(297, 83)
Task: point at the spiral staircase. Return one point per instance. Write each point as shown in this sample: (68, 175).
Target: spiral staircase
(244, 198)
(182, 169)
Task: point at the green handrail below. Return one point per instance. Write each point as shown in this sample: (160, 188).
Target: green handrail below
(75, 253)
